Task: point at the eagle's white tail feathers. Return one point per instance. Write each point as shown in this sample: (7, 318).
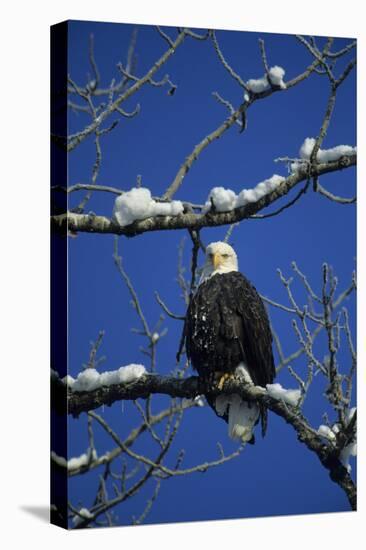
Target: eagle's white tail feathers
(221, 404)
(242, 416)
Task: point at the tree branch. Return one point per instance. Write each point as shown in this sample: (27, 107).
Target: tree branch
(76, 140)
(147, 385)
(91, 223)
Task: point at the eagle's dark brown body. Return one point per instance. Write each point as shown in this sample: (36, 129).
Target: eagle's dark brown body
(227, 324)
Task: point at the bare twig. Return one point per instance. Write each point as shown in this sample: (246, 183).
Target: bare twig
(136, 303)
(93, 84)
(226, 65)
(167, 310)
(165, 36)
(264, 59)
(158, 465)
(81, 136)
(335, 198)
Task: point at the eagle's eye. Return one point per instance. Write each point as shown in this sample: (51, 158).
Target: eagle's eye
(225, 255)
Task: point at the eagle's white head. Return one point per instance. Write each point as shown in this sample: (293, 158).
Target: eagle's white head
(220, 258)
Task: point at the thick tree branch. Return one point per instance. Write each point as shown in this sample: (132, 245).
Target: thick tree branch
(193, 386)
(91, 223)
(79, 402)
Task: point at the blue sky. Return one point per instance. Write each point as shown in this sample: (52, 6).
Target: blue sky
(277, 475)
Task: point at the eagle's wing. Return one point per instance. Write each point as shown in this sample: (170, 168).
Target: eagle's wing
(255, 332)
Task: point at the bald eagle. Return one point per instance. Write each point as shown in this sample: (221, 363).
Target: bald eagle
(227, 334)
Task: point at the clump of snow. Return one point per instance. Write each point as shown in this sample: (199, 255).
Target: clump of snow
(82, 460)
(335, 428)
(223, 199)
(276, 75)
(83, 513)
(307, 148)
(351, 448)
(226, 199)
(76, 461)
(323, 155)
(155, 337)
(90, 379)
(138, 204)
(349, 415)
(346, 453)
(325, 431)
(54, 374)
(87, 380)
(259, 191)
(331, 433)
(60, 460)
(68, 380)
(199, 402)
(291, 397)
(195, 402)
(259, 85)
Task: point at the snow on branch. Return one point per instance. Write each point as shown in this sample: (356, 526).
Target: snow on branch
(346, 453)
(323, 155)
(138, 204)
(76, 462)
(92, 223)
(327, 432)
(291, 397)
(350, 449)
(330, 434)
(276, 77)
(273, 78)
(90, 379)
(224, 200)
(81, 515)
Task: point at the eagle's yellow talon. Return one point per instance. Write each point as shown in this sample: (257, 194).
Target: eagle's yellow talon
(221, 382)
(223, 378)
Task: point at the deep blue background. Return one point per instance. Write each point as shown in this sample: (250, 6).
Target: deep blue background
(278, 475)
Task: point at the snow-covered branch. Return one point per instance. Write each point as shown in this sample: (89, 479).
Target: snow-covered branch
(92, 223)
(276, 400)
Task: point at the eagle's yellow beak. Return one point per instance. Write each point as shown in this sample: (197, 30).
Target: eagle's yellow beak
(216, 260)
